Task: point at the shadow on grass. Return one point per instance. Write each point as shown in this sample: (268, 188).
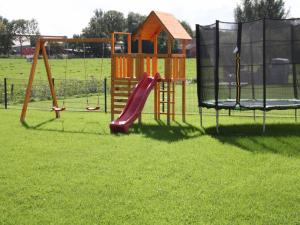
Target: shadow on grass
(162, 132)
(39, 127)
(279, 138)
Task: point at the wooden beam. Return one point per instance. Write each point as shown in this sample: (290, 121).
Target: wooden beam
(113, 74)
(49, 76)
(129, 43)
(72, 40)
(173, 100)
(30, 81)
(112, 44)
(140, 46)
(168, 102)
(156, 87)
(183, 101)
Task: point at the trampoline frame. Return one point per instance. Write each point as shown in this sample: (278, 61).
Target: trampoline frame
(238, 103)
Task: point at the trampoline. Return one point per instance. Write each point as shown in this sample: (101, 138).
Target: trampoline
(252, 66)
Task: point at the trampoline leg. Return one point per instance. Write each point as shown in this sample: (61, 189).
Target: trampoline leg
(200, 111)
(217, 120)
(296, 115)
(254, 115)
(264, 121)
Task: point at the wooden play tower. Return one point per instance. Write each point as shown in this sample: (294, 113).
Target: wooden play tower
(127, 68)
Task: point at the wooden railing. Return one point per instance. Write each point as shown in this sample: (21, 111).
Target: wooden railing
(132, 66)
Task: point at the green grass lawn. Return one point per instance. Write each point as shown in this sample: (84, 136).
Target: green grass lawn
(73, 171)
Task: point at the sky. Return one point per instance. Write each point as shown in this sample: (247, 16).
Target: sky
(68, 17)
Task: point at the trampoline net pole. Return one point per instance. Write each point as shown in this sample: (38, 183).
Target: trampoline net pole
(200, 112)
(293, 63)
(264, 121)
(217, 121)
(217, 65)
(264, 65)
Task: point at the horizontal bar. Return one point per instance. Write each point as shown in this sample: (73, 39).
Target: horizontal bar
(81, 40)
(119, 32)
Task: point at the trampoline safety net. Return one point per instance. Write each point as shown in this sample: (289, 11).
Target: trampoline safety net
(253, 65)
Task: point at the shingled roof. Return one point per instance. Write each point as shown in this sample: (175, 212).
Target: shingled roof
(160, 21)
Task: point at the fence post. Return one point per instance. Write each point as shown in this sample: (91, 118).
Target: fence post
(5, 93)
(105, 95)
(12, 87)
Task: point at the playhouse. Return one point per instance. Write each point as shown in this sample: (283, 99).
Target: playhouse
(128, 68)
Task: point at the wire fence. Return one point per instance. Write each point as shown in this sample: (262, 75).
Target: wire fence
(78, 94)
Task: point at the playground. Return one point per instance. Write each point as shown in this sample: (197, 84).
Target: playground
(120, 140)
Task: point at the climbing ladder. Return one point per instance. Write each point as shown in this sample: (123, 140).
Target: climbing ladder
(166, 99)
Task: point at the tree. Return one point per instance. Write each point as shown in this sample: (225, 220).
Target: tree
(188, 28)
(6, 36)
(102, 24)
(113, 21)
(133, 21)
(258, 9)
(22, 29)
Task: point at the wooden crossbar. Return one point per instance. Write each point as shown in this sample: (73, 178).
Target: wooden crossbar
(72, 40)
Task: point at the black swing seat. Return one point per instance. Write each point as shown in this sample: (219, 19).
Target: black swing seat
(58, 109)
(88, 108)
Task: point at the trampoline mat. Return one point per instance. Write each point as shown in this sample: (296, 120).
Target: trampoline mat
(254, 104)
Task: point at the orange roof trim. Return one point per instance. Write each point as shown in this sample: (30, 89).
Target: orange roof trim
(159, 21)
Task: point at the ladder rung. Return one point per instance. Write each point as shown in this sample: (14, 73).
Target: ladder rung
(165, 91)
(117, 111)
(164, 113)
(119, 106)
(121, 100)
(121, 94)
(166, 102)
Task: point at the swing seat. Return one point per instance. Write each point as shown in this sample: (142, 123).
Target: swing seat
(58, 109)
(88, 108)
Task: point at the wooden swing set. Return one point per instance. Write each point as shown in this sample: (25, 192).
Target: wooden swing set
(127, 68)
(40, 48)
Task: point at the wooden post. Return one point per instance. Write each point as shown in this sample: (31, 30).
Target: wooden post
(169, 77)
(183, 101)
(105, 95)
(30, 81)
(168, 102)
(173, 100)
(113, 74)
(140, 63)
(184, 81)
(129, 43)
(49, 76)
(112, 88)
(158, 99)
(156, 87)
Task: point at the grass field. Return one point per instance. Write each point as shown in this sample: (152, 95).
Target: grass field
(73, 171)
(20, 68)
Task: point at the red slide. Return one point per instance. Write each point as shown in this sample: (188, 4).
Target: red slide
(135, 104)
